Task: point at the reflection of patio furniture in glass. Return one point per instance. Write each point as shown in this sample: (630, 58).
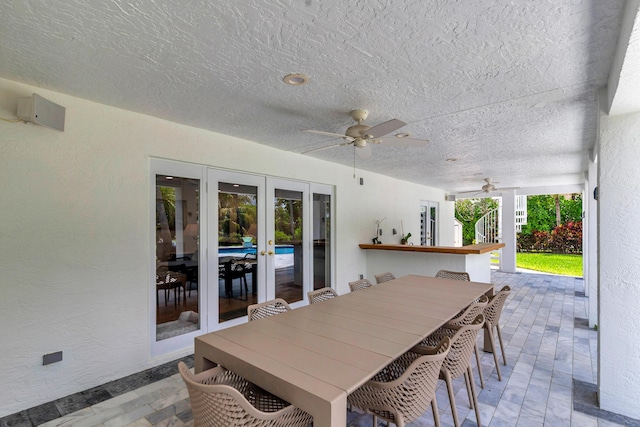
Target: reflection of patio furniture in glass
(168, 280)
(229, 269)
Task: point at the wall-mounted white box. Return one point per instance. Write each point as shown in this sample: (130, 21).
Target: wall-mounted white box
(40, 111)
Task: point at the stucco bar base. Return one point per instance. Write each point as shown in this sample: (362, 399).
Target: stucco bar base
(427, 260)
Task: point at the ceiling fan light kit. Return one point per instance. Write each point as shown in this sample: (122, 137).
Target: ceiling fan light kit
(360, 135)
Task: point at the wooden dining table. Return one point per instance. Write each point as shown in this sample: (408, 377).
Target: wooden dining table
(315, 355)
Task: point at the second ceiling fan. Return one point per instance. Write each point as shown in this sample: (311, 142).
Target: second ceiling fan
(487, 188)
(361, 135)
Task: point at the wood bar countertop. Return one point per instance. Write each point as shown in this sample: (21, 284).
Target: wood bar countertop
(480, 248)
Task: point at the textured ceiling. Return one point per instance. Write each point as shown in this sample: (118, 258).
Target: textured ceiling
(509, 89)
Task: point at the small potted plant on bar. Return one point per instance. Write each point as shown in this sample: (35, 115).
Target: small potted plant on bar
(405, 239)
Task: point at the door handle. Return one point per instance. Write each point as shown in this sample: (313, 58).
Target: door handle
(270, 252)
(263, 253)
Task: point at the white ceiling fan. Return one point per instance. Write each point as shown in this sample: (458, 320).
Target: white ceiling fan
(489, 187)
(361, 135)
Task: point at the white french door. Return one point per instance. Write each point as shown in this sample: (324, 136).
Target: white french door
(288, 241)
(259, 243)
(225, 240)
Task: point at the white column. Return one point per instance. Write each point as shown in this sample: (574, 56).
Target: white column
(619, 268)
(590, 244)
(508, 259)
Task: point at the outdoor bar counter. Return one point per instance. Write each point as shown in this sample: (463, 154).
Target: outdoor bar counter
(427, 260)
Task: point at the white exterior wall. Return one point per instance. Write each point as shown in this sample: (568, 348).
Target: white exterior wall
(75, 238)
(619, 272)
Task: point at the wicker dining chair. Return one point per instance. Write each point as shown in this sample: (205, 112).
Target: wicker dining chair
(401, 392)
(360, 284)
(466, 317)
(453, 275)
(321, 294)
(267, 308)
(458, 361)
(221, 398)
(384, 277)
(492, 313)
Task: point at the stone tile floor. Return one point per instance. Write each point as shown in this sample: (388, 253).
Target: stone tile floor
(549, 380)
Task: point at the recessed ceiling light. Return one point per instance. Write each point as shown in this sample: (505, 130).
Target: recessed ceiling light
(168, 177)
(296, 79)
(402, 135)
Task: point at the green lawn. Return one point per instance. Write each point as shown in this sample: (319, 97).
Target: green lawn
(570, 265)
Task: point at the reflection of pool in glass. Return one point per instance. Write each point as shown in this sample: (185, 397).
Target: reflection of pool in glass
(284, 254)
(280, 250)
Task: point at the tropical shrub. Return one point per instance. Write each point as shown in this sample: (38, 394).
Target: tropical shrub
(564, 239)
(567, 238)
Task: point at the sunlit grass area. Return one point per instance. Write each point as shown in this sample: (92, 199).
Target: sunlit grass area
(570, 265)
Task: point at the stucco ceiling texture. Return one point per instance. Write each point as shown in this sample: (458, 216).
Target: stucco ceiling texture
(507, 88)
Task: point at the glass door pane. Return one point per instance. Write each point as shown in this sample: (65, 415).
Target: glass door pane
(238, 238)
(288, 242)
(177, 256)
(288, 245)
(321, 218)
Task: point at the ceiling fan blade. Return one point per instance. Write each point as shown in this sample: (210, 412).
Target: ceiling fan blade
(385, 128)
(506, 188)
(403, 142)
(364, 152)
(470, 191)
(325, 148)
(335, 135)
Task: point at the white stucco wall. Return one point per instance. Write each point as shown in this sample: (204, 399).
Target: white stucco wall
(619, 273)
(74, 246)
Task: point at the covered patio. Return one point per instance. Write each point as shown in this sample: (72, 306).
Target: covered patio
(549, 380)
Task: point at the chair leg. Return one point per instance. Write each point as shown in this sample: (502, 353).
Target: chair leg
(467, 382)
(479, 365)
(473, 396)
(434, 409)
(452, 399)
(504, 358)
(493, 351)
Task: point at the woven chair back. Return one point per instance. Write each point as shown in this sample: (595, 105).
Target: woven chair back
(403, 390)
(453, 275)
(221, 398)
(267, 308)
(357, 285)
(462, 347)
(384, 277)
(320, 295)
(469, 314)
(493, 310)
